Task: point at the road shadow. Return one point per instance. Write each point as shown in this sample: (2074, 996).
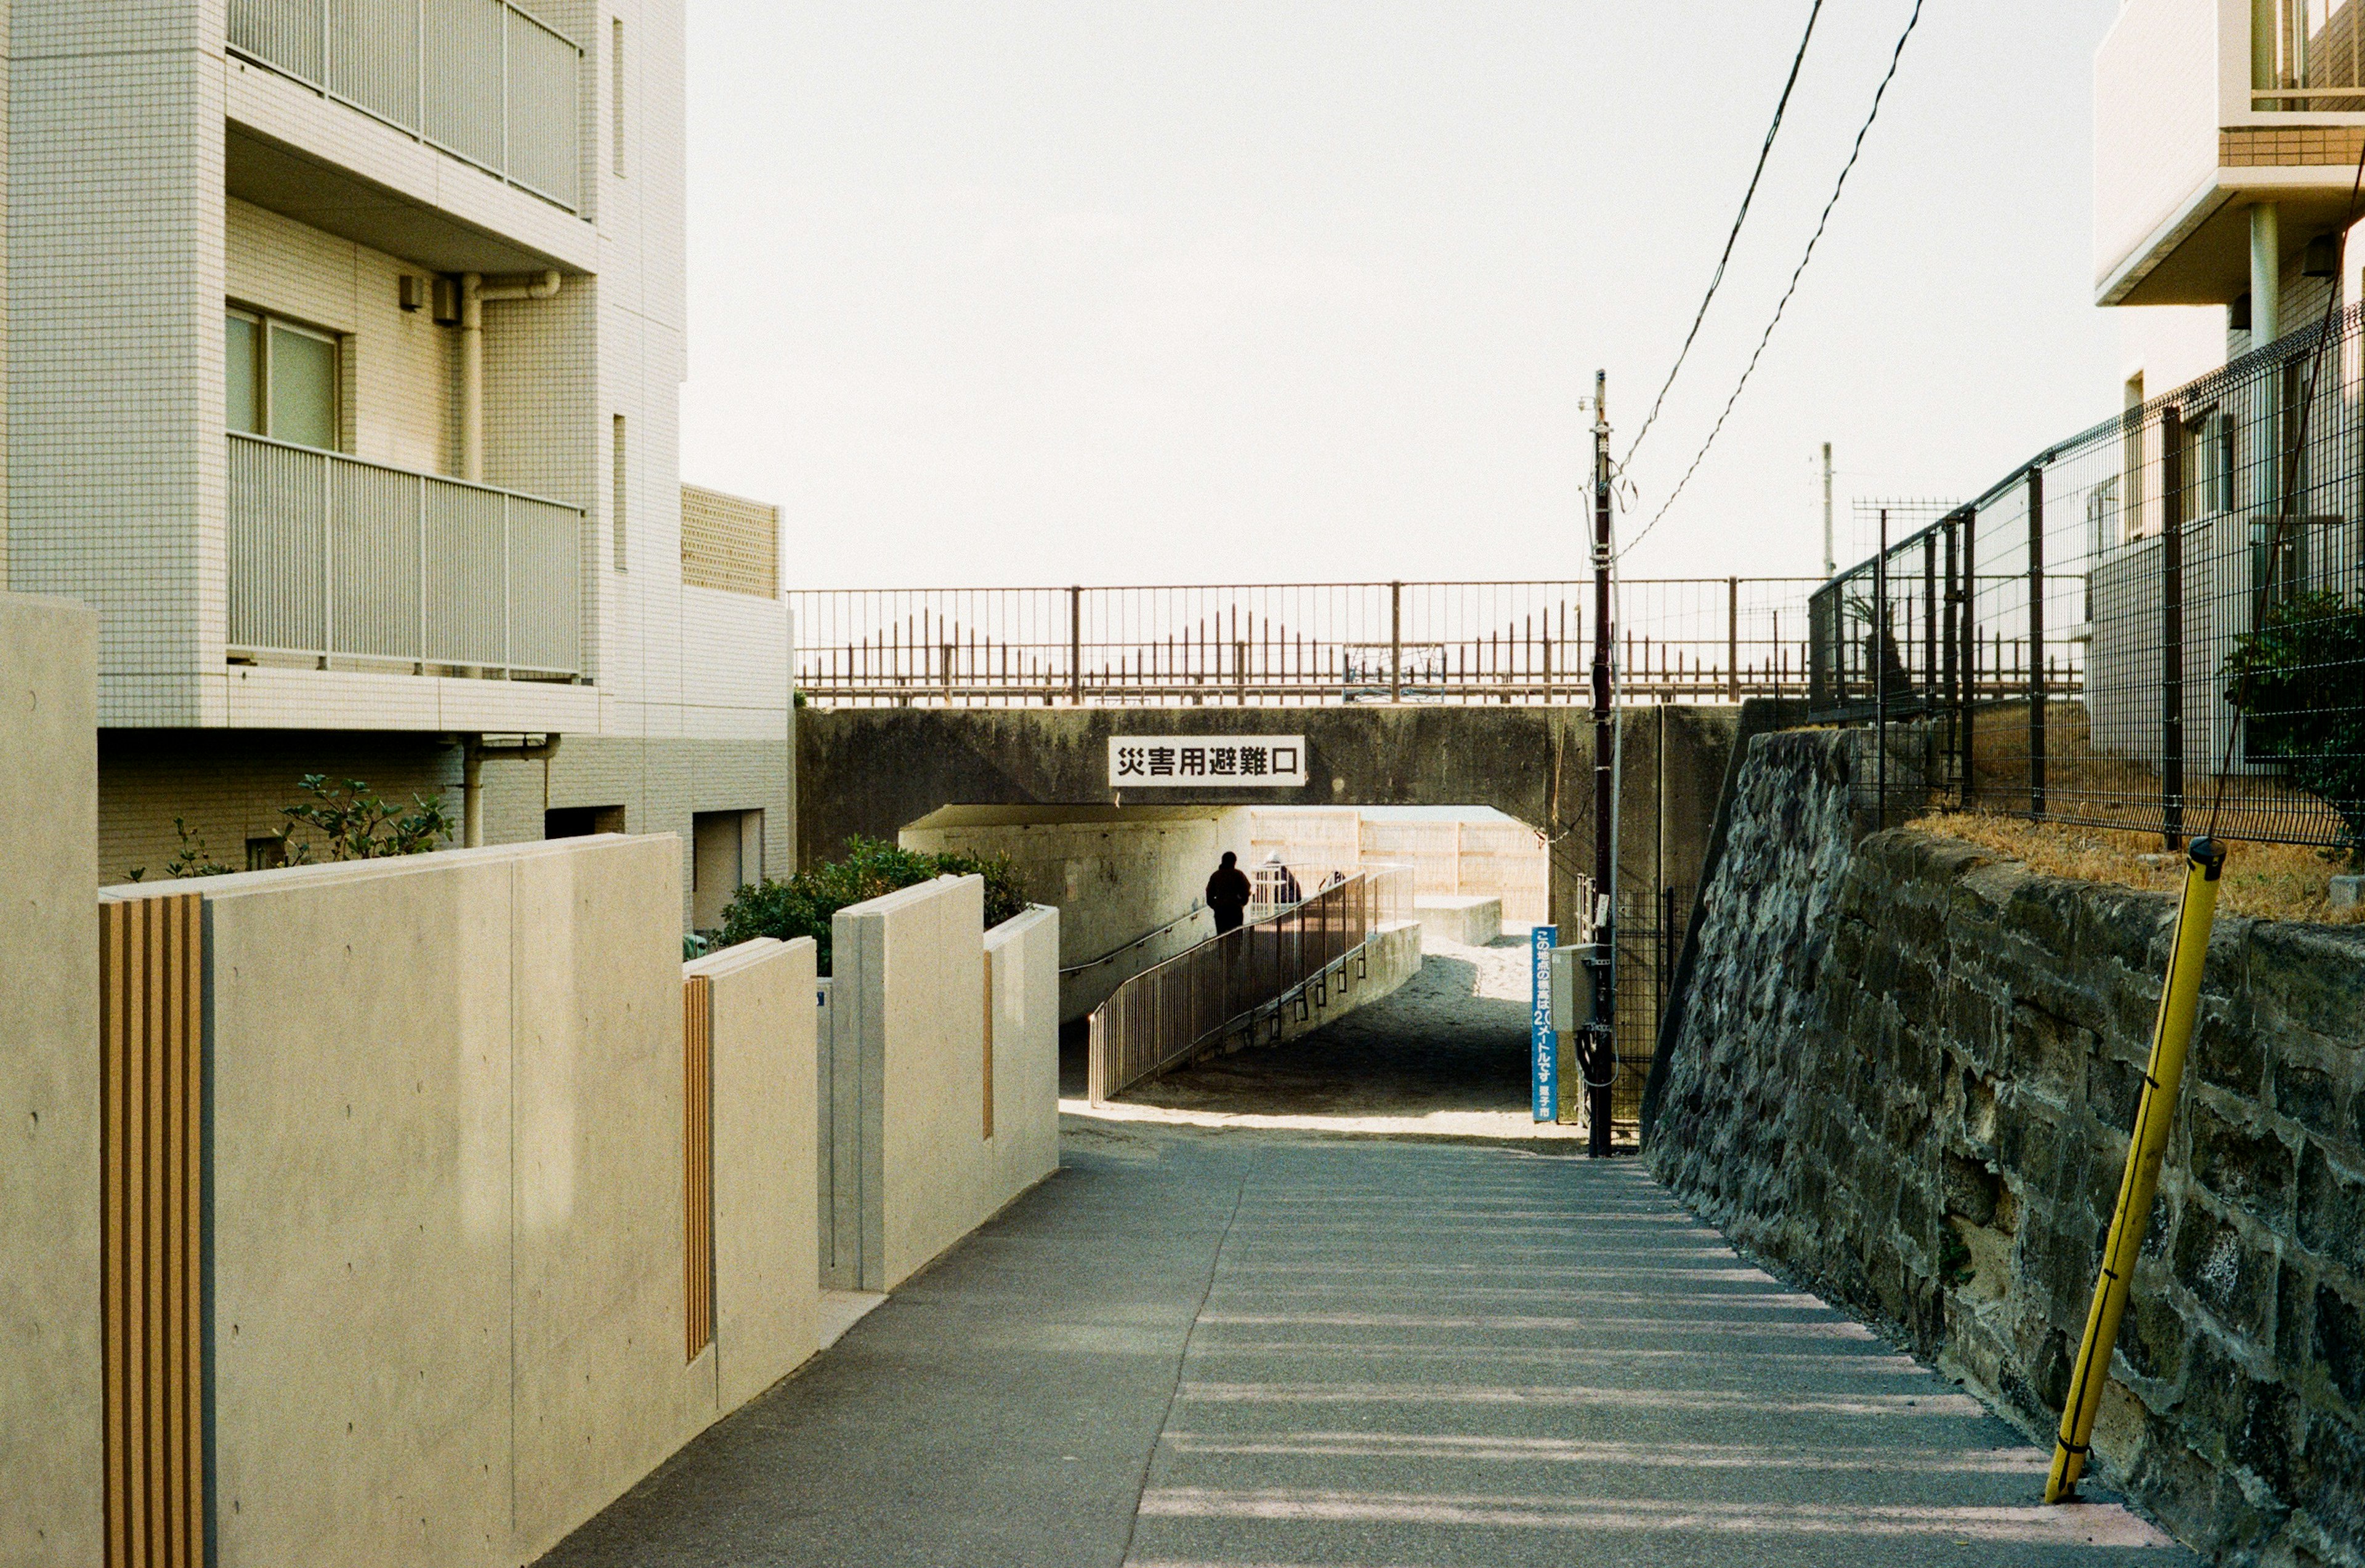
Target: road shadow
(1449, 1039)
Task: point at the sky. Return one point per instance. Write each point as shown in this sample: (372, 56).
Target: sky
(1138, 291)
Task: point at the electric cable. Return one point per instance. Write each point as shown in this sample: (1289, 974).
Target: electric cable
(1784, 303)
(1747, 197)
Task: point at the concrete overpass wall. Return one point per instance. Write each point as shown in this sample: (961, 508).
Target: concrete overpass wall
(1115, 873)
(877, 770)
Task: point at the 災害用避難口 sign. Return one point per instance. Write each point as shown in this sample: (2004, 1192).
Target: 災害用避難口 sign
(1190, 762)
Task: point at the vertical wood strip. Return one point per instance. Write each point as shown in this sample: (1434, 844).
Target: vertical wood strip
(152, 1068)
(697, 1162)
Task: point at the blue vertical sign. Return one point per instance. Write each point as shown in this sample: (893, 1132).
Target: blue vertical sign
(1546, 1071)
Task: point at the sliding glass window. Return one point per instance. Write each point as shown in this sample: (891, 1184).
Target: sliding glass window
(281, 379)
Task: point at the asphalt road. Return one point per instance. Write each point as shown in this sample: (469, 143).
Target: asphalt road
(1222, 1348)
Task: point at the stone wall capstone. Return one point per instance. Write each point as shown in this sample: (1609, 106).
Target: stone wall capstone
(1907, 1072)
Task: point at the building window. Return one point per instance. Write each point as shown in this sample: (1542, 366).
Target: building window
(281, 379)
(616, 90)
(616, 500)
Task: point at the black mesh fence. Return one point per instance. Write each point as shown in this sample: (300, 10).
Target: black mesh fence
(2157, 622)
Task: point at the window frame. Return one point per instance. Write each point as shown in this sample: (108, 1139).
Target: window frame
(263, 323)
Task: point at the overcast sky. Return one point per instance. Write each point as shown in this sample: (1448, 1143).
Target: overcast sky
(1216, 291)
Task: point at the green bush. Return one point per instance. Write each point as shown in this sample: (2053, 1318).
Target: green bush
(801, 906)
(2304, 700)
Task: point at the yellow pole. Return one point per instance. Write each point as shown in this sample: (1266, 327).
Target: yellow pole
(2171, 1034)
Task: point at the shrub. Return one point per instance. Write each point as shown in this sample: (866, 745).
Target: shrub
(802, 905)
(2304, 700)
(353, 825)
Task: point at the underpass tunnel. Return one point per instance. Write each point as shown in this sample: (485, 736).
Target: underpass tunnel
(1130, 877)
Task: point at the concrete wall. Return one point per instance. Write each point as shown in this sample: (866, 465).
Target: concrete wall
(448, 1319)
(876, 770)
(49, 1354)
(1472, 922)
(908, 1037)
(767, 1295)
(1115, 874)
(1907, 1068)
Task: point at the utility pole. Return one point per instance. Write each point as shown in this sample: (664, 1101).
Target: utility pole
(1830, 565)
(1598, 1060)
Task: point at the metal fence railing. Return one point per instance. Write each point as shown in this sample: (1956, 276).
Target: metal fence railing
(1709, 639)
(332, 557)
(1156, 1020)
(482, 80)
(2160, 611)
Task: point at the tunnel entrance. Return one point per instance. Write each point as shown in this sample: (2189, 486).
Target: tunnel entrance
(1129, 874)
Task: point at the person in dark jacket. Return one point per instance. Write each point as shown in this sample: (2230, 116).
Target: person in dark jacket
(1227, 894)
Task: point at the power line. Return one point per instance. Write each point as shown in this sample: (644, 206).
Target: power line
(1730, 240)
(1750, 369)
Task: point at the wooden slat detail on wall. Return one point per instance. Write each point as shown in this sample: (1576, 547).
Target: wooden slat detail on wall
(151, 964)
(698, 1160)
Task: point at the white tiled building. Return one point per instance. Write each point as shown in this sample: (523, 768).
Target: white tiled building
(344, 385)
(2226, 135)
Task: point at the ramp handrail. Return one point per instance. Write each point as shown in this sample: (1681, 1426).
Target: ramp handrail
(1157, 1019)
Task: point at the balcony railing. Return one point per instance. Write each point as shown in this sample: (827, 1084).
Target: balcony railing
(2306, 56)
(332, 557)
(480, 78)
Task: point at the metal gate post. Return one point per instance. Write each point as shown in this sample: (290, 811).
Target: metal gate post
(1396, 642)
(1950, 639)
(1880, 676)
(1076, 647)
(2036, 641)
(1733, 639)
(2171, 625)
(1969, 661)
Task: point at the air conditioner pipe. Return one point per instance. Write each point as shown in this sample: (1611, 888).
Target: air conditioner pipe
(475, 292)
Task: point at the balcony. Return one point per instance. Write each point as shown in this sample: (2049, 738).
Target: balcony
(331, 558)
(2203, 109)
(478, 79)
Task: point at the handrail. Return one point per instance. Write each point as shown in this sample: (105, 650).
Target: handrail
(1157, 1019)
(1192, 914)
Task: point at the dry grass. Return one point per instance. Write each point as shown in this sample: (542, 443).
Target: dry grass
(2271, 881)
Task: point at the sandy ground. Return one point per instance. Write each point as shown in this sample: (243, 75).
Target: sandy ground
(1444, 1056)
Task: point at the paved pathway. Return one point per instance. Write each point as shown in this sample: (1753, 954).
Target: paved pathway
(1211, 1349)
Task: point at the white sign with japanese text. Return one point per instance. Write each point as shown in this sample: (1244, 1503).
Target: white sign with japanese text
(1203, 762)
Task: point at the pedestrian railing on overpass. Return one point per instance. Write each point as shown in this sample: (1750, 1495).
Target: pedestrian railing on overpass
(1238, 983)
(1692, 639)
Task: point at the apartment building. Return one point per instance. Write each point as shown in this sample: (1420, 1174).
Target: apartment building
(2226, 135)
(344, 386)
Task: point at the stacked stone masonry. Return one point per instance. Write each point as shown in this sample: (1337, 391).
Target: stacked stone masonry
(1907, 1073)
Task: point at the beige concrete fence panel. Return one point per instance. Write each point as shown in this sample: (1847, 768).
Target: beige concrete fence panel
(1022, 966)
(759, 1001)
(602, 1392)
(908, 1009)
(361, 1212)
(51, 1398)
(909, 968)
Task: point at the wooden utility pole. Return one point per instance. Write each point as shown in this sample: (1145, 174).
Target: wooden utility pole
(1598, 1059)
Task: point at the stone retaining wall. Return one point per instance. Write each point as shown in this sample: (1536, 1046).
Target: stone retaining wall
(1906, 1071)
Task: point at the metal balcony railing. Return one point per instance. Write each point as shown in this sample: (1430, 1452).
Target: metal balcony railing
(480, 78)
(2306, 56)
(332, 557)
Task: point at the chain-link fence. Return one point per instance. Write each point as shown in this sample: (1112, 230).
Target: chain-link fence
(2157, 623)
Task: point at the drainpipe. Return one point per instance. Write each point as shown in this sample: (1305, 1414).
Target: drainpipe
(472, 792)
(472, 779)
(474, 294)
(2266, 274)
